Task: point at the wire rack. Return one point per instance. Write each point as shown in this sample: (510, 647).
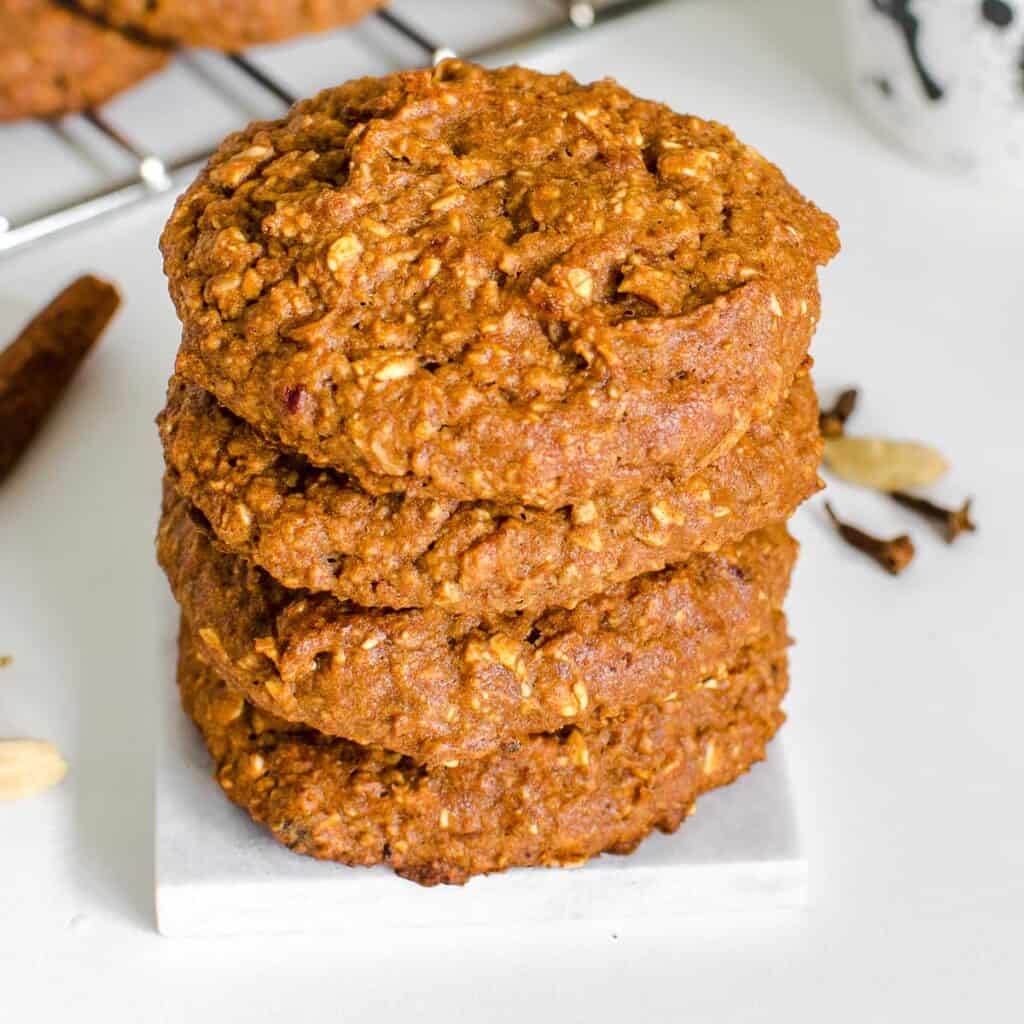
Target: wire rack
(153, 175)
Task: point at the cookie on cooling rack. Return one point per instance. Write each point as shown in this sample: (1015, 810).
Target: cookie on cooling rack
(55, 61)
(229, 24)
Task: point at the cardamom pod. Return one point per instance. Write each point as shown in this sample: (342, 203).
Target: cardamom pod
(29, 766)
(883, 464)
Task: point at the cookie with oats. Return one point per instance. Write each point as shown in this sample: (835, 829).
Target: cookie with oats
(55, 61)
(495, 285)
(228, 24)
(440, 687)
(316, 529)
(557, 799)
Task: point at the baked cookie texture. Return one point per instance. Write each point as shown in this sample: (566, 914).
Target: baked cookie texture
(228, 24)
(499, 285)
(319, 530)
(55, 61)
(557, 799)
(440, 687)
(491, 408)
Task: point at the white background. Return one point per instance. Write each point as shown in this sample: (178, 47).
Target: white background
(905, 731)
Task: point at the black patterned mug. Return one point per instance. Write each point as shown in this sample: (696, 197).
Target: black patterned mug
(944, 79)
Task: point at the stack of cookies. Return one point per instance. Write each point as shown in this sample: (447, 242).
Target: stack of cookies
(490, 409)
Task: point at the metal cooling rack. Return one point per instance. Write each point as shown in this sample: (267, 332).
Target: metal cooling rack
(153, 175)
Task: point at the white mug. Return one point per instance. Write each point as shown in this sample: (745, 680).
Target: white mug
(944, 79)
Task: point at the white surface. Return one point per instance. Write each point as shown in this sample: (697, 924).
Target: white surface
(904, 736)
(218, 873)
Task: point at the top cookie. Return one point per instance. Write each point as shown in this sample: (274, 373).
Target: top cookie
(495, 284)
(54, 61)
(228, 24)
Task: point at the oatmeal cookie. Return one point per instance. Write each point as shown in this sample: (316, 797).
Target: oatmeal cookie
(500, 285)
(440, 687)
(228, 24)
(318, 530)
(558, 799)
(55, 61)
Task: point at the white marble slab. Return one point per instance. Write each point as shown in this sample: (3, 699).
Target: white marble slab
(217, 873)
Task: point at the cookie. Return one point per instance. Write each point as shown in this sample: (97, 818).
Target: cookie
(228, 24)
(496, 285)
(558, 799)
(318, 530)
(440, 687)
(55, 61)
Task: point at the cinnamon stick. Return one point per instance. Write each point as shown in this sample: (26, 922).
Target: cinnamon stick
(36, 368)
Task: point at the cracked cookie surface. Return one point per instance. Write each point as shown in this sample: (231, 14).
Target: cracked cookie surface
(318, 530)
(558, 799)
(495, 285)
(438, 686)
(228, 24)
(54, 61)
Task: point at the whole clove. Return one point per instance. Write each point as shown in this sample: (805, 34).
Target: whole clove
(36, 368)
(892, 555)
(832, 422)
(953, 521)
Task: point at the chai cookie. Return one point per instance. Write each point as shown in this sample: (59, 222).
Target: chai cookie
(557, 799)
(318, 530)
(228, 24)
(55, 61)
(498, 285)
(441, 687)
